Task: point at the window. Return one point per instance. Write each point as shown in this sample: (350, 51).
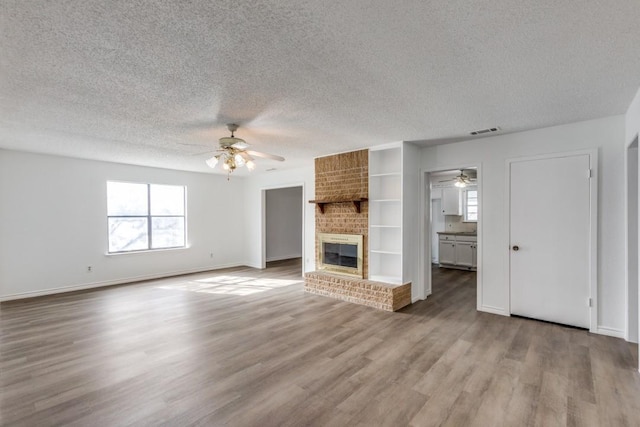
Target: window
(471, 205)
(145, 216)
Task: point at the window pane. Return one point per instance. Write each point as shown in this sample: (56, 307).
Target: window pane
(124, 198)
(167, 200)
(128, 234)
(471, 205)
(167, 232)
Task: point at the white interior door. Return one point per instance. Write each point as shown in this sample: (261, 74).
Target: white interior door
(550, 235)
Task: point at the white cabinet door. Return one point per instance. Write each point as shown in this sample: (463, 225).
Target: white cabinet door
(474, 249)
(451, 201)
(464, 254)
(447, 252)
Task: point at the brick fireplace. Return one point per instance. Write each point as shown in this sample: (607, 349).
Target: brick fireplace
(342, 189)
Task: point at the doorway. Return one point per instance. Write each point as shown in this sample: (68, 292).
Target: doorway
(552, 232)
(283, 225)
(451, 231)
(632, 242)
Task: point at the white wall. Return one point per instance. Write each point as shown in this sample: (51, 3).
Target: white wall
(255, 189)
(607, 135)
(283, 223)
(632, 120)
(53, 224)
(632, 129)
(632, 242)
(437, 224)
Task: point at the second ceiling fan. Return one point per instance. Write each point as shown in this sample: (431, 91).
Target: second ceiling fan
(461, 180)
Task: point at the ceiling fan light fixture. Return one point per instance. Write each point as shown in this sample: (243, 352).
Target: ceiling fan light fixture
(212, 162)
(460, 183)
(233, 153)
(239, 160)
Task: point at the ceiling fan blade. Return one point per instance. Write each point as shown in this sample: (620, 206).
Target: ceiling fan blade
(445, 180)
(240, 145)
(265, 155)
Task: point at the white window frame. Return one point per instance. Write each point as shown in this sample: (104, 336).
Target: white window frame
(149, 217)
(465, 217)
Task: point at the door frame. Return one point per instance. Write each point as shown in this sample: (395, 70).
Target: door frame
(425, 230)
(631, 241)
(263, 221)
(593, 225)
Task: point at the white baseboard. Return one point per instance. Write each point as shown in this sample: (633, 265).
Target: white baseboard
(283, 257)
(105, 283)
(416, 299)
(494, 310)
(611, 332)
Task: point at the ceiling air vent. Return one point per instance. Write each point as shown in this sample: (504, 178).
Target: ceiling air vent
(483, 131)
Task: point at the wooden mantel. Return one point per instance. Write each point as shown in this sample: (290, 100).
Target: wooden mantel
(356, 202)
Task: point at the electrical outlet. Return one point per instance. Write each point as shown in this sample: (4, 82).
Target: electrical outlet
(89, 269)
(211, 255)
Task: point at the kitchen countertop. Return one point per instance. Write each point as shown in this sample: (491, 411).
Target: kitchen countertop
(459, 233)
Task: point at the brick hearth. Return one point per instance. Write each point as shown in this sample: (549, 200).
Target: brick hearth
(360, 291)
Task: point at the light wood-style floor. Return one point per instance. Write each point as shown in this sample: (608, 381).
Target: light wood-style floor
(245, 347)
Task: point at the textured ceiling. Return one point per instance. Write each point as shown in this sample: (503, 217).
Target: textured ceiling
(133, 81)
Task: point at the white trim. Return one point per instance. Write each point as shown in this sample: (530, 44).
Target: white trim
(106, 283)
(385, 146)
(634, 141)
(425, 227)
(494, 310)
(425, 231)
(593, 218)
(611, 332)
(147, 251)
(283, 257)
(263, 222)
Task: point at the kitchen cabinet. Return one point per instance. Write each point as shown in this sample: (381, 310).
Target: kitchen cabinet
(458, 251)
(447, 252)
(464, 254)
(451, 201)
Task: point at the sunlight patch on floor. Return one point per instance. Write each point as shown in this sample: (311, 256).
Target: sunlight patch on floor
(231, 285)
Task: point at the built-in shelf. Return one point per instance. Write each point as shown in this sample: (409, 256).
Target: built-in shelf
(385, 215)
(356, 202)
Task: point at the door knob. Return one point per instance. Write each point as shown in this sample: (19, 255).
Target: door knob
(516, 248)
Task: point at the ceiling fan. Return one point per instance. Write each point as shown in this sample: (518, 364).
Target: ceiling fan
(233, 153)
(461, 180)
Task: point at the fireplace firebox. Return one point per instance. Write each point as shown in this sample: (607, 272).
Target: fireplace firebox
(341, 253)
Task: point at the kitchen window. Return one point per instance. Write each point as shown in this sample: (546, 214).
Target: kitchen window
(470, 201)
(145, 217)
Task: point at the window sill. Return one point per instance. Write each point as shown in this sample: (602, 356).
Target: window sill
(147, 251)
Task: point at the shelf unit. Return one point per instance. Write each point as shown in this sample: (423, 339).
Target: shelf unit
(394, 215)
(385, 214)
